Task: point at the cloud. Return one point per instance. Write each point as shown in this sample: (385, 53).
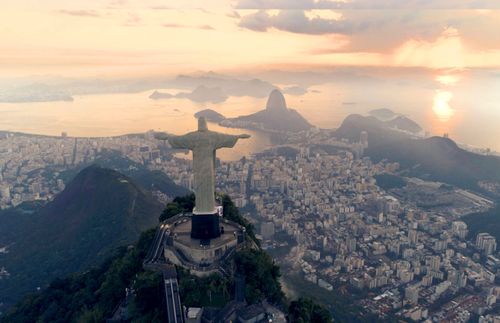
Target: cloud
(161, 8)
(80, 13)
(234, 14)
(287, 4)
(367, 4)
(205, 11)
(422, 4)
(206, 27)
(445, 51)
(295, 21)
(295, 90)
(378, 31)
(117, 4)
(371, 29)
(175, 25)
(133, 20)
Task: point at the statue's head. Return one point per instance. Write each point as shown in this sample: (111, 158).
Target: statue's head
(202, 124)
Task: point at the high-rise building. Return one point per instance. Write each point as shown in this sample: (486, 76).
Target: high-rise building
(427, 280)
(434, 263)
(351, 244)
(5, 192)
(411, 294)
(459, 228)
(453, 276)
(486, 243)
(413, 237)
(440, 245)
(243, 187)
(363, 139)
(267, 230)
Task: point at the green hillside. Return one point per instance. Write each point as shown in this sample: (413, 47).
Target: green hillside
(488, 221)
(93, 296)
(99, 210)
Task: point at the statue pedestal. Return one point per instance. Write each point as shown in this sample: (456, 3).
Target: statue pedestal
(205, 226)
(201, 256)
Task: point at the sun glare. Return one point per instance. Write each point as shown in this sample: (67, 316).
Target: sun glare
(441, 106)
(447, 79)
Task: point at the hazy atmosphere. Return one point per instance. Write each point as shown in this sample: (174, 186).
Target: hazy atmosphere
(250, 161)
(332, 58)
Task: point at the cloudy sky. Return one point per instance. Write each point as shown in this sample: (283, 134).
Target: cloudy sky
(148, 37)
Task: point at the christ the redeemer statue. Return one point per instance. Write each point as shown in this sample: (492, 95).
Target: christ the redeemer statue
(203, 143)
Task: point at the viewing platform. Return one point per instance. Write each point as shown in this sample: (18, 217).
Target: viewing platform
(174, 244)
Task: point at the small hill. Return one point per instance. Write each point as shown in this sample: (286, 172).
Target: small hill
(98, 210)
(405, 124)
(435, 158)
(157, 95)
(210, 115)
(353, 124)
(276, 117)
(395, 120)
(383, 114)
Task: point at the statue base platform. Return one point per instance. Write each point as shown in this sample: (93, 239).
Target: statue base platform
(202, 256)
(205, 226)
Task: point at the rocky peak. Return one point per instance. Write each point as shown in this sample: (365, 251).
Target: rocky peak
(276, 101)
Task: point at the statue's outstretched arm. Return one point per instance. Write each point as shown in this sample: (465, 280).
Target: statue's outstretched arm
(161, 135)
(181, 142)
(228, 141)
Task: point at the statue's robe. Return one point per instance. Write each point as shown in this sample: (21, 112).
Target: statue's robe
(203, 144)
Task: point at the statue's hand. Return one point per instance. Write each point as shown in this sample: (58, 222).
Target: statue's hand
(161, 136)
(244, 136)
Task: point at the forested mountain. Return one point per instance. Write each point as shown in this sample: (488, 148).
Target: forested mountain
(98, 210)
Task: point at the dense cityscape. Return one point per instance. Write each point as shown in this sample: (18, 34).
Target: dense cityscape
(402, 251)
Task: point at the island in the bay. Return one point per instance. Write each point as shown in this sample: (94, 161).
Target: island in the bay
(277, 117)
(209, 115)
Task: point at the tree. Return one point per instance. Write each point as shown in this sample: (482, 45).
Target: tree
(178, 205)
(306, 310)
(91, 296)
(232, 213)
(261, 276)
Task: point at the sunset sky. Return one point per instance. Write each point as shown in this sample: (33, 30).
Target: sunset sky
(137, 37)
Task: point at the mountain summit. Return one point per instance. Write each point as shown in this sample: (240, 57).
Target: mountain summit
(276, 101)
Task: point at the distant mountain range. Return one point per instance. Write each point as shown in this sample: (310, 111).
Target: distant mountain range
(277, 117)
(36, 92)
(98, 210)
(434, 158)
(200, 94)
